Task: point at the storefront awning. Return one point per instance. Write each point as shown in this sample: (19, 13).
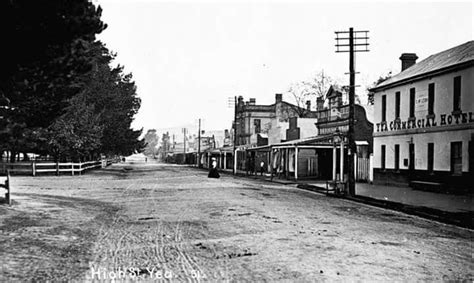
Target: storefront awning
(317, 141)
(260, 148)
(362, 142)
(220, 150)
(311, 142)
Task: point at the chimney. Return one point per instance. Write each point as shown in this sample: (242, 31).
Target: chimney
(278, 97)
(240, 100)
(308, 105)
(408, 60)
(319, 103)
(252, 101)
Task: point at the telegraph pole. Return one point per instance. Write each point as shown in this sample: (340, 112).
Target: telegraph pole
(184, 140)
(235, 131)
(199, 144)
(351, 45)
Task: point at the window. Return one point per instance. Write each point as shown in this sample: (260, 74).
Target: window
(397, 157)
(384, 108)
(256, 123)
(431, 98)
(412, 102)
(430, 157)
(456, 158)
(382, 157)
(397, 105)
(457, 94)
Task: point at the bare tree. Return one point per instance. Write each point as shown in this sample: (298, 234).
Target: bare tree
(309, 90)
(300, 95)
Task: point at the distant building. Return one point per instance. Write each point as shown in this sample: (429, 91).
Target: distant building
(309, 150)
(264, 123)
(261, 125)
(424, 119)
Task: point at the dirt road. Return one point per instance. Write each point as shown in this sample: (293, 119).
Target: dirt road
(151, 221)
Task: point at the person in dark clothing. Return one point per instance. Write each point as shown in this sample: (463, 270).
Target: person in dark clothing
(213, 173)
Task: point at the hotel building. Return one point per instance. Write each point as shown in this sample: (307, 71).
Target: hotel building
(424, 122)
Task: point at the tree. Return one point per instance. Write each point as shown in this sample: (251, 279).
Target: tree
(63, 96)
(77, 133)
(43, 64)
(151, 140)
(370, 93)
(115, 100)
(309, 90)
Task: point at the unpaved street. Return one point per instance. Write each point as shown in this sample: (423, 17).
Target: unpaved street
(154, 221)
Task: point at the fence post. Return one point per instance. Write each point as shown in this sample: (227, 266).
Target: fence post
(371, 168)
(57, 168)
(72, 168)
(33, 168)
(7, 186)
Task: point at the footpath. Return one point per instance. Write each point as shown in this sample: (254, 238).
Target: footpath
(446, 208)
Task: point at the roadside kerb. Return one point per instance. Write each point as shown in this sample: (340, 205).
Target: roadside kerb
(454, 218)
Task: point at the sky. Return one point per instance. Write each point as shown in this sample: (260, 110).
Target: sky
(189, 58)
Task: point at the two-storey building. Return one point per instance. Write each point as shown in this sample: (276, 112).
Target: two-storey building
(259, 125)
(270, 122)
(424, 121)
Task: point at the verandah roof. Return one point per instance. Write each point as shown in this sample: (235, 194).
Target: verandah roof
(316, 141)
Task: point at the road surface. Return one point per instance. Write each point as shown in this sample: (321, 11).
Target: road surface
(153, 221)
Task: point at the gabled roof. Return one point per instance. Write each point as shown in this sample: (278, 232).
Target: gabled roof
(444, 61)
(333, 91)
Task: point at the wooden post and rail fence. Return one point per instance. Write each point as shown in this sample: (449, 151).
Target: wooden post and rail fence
(6, 186)
(35, 168)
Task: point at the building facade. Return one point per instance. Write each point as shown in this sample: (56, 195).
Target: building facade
(310, 150)
(424, 121)
(261, 125)
(263, 121)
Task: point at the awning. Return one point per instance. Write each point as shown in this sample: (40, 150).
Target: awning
(260, 148)
(362, 143)
(324, 141)
(220, 149)
(316, 140)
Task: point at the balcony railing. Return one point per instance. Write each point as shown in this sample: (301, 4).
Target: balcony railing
(333, 114)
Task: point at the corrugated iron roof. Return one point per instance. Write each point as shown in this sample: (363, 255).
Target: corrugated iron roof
(457, 55)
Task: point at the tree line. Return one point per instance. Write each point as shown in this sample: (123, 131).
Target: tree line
(60, 96)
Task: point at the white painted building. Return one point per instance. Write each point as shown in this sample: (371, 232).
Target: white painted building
(424, 121)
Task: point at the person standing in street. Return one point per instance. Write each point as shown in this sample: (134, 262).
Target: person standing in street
(262, 168)
(213, 173)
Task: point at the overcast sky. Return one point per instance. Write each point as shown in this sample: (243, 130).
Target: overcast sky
(188, 58)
